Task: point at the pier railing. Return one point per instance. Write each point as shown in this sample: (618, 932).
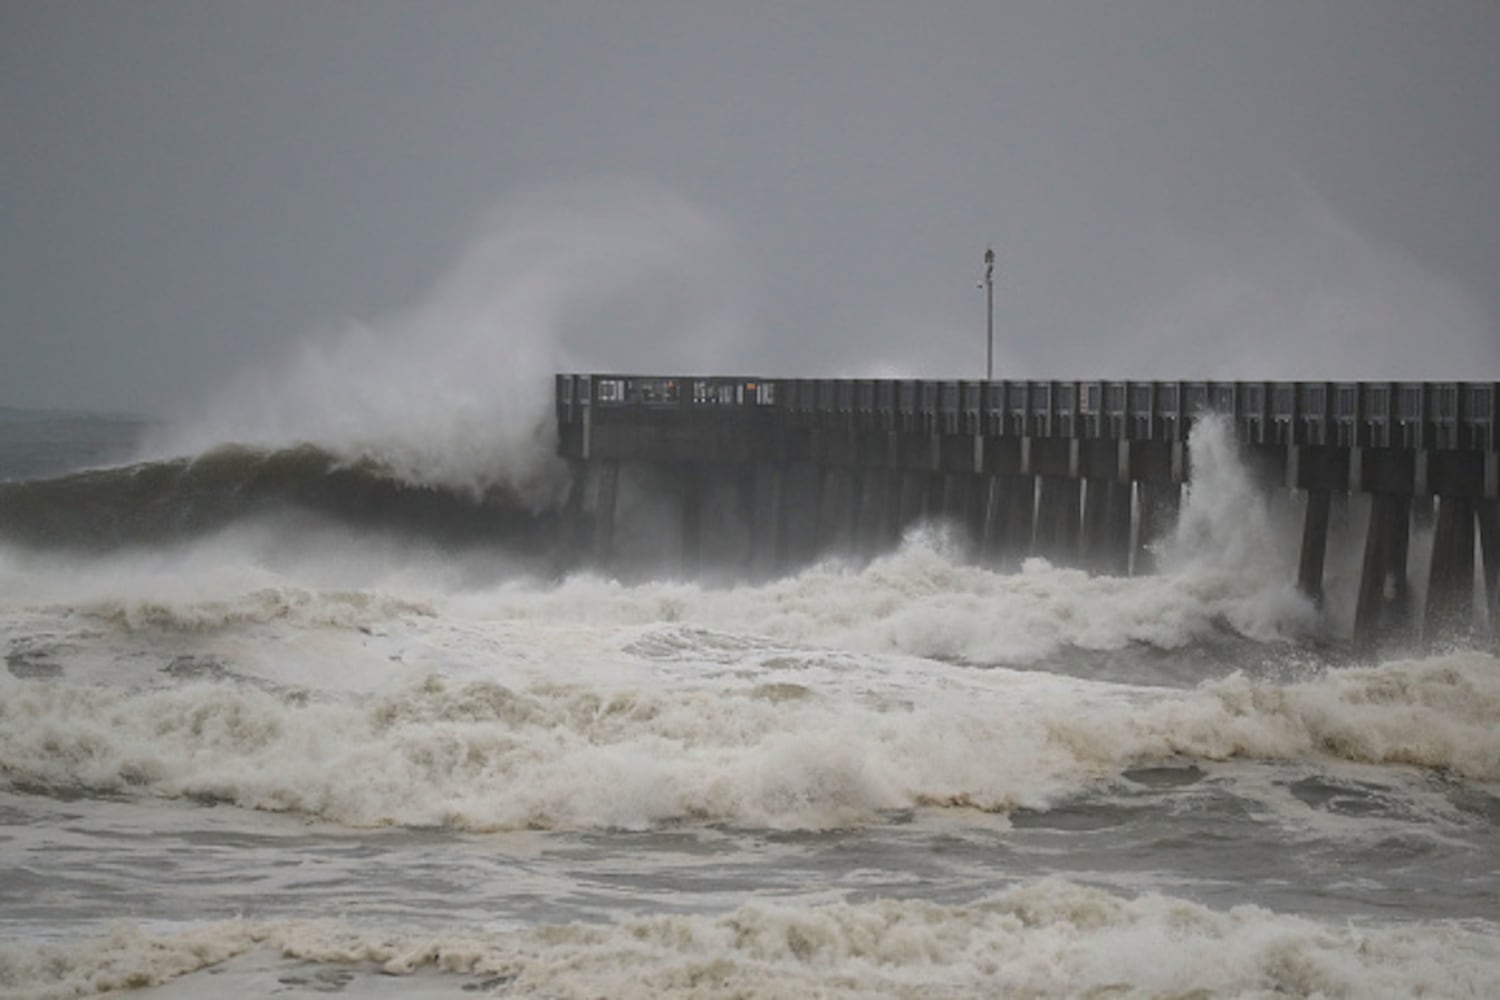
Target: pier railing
(1415, 415)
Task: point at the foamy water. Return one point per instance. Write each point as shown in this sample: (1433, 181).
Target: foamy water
(298, 756)
(913, 777)
(502, 711)
(1049, 938)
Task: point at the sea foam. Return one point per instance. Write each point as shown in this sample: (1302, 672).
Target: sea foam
(1043, 939)
(763, 739)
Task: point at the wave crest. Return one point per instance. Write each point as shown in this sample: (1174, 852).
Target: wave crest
(1041, 939)
(175, 499)
(479, 754)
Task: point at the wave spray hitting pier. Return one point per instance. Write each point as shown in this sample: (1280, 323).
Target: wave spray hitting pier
(768, 473)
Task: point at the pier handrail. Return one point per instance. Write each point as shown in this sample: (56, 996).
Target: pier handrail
(1367, 414)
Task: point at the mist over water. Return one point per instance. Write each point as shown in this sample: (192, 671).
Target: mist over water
(1301, 293)
(1228, 540)
(457, 390)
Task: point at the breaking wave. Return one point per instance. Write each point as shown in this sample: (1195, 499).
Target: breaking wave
(770, 740)
(178, 499)
(455, 391)
(1049, 938)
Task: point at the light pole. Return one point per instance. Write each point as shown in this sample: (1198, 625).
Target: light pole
(989, 314)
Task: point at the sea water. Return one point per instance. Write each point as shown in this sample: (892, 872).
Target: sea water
(276, 744)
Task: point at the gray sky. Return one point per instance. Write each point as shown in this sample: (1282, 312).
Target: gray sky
(193, 190)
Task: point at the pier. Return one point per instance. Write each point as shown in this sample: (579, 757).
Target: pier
(765, 474)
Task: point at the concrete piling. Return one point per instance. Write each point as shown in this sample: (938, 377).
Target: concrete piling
(1106, 526)
(607, 490)
(1157, 507)
(771, 530)
(691, 487)
(1381, 608)
(871, 516)
(1057, 520)
(1314, 544)
(1489, 547)
(572, 528)
(1450, 593)
(1020, 521)
(976, 500)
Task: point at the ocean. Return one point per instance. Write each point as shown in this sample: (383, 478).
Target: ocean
(290, 720)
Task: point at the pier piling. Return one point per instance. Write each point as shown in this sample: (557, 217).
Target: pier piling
(1314, 544)
(1450, 593)
(1489, 547)
(1381, 607)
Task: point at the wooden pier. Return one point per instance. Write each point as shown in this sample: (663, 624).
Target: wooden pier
(769, 473)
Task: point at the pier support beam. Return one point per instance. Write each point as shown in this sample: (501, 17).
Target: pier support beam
(992, 532)
(934, 492)
(976, 511)
(770, 532)
(803, 501)
(1058, 520)
(572, 529)
(746, 495)
(913, 493)
(872, 516)
(1382, 607)
(965, 496)
(1489, 548)
(1157, 507)
(837, 510)
(1009, 520)
(891, 525)
(1106, 526)
(1314, 544)
(691, 486)
(1020, 531)
(1450, 590)
(608, 488)
(1423, 512)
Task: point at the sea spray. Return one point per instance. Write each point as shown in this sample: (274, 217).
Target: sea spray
(456, 391)
(1226, 543)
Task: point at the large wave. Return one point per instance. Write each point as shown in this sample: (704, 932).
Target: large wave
(775, 739)
(436, 421)
(456, 391)
(173, 500)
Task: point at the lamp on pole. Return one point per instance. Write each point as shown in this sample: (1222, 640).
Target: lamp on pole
(989, 314)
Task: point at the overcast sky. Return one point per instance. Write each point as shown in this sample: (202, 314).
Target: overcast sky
(193, 190)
